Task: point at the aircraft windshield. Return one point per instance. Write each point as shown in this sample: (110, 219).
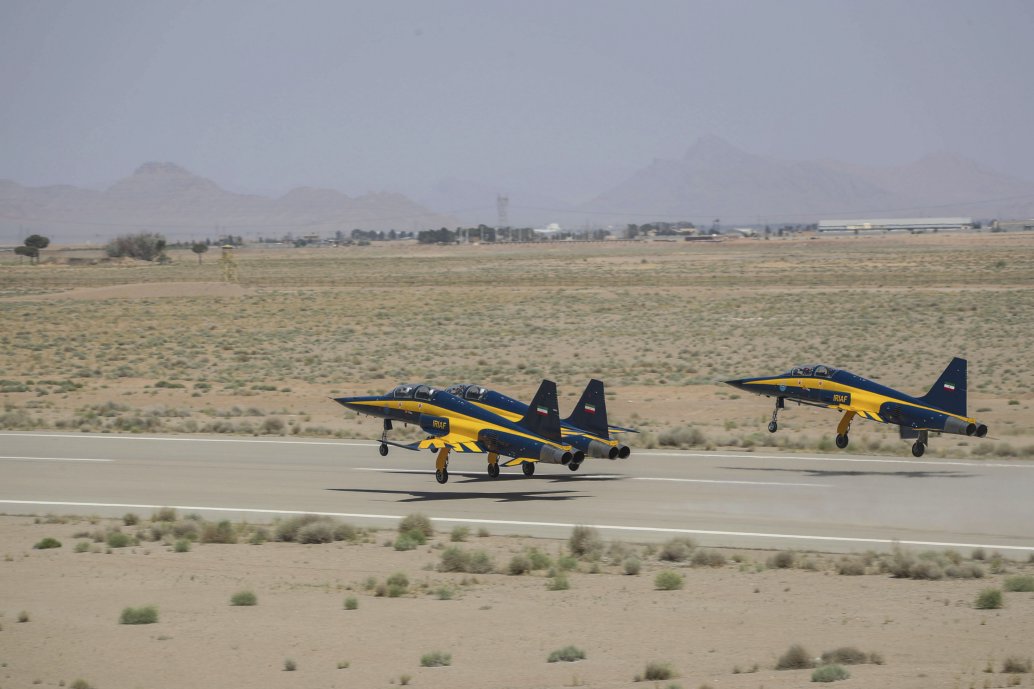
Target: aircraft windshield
(816, 370)
(469, 392)
(403, 392)
(423, 393)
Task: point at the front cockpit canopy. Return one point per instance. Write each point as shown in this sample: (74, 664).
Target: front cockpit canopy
(812, 371)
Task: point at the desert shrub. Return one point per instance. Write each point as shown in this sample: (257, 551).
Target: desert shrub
(668, 580)
(146, 246)
(686, 436)
(829, 673)
(182, 546)
(454, 559)
(80, 683)
(287, 529)
(444, 593)
(585, 541)
(244, 598)
(417, 522)
(784, 559)
(82, 547)
(321, 531)
(47, 543)
(1016, 665)
(459, 534)
(658, 671)
(164, 514)
(559, 582)
(567, 654)
(708, 558)
(186, 528)
(851, 566)
(677, 550)
(409, 540)
(926, 569)
(978, 554)
(117, 539)
(130, 519)
(259, 536)
(23, 616)
(988, 599)
(351, 603)
(795, 658)
(1019, 582)
(290, 665)
(845, 655)
(519, 564)
(221, 532)
(147, 614)
(539, 560)
(480, 563)
(398, 585)
(435, 659)
(632, 565)
(566, 563)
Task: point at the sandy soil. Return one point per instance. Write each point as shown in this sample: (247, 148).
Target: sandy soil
(499, 630)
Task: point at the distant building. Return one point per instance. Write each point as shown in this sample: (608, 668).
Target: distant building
(894, 225)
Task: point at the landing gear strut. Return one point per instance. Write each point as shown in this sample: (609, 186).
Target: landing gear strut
(383, 449)
(441, 466)
(528, 468)
(843, 427)
(773, 425)
(493, 465)
(919, 446)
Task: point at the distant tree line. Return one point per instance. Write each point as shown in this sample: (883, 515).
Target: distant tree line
(146, 246)
(32, 246)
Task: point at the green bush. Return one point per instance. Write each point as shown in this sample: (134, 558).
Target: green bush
(454, 559)
(519, 564)
(829, 673)
(351, 603)
(409, 540)
(657, 671)
(164, 514)
(1019, 582)
(845, 655)
(668, 580)
(784, 559)
(851, 566)
(244, 598)
(398, 585)
(585, 541)
(559, 582)
(221, 532)
(480, 563)
(708, 558)
(795, 658)
(459, 534)
(417, 522)
(46, 543)
(321, 531)
(182, 546)
(117, 539)
(567, 654)
(82, 547)
(143, 615)
(988, 599)
(631, 565)
(130, 519)
(80, 684)
(539, 560)
(435, 659)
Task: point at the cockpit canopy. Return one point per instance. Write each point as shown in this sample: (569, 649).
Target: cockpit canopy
(475, 393)
(409, 392)
(812, 370)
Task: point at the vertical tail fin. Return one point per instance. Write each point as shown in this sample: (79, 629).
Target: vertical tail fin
(949, 392)
(543, 415)
(590, 414)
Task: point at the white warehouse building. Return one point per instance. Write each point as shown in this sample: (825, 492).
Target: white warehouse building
(895, 225)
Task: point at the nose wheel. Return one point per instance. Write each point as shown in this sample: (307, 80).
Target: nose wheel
(441, 475)
(842, 440)
(441, 466)
(773, 425)
(383, 449)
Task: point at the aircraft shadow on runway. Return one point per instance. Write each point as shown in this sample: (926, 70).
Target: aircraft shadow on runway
(832, 473)
(501, 496)
(477, 477)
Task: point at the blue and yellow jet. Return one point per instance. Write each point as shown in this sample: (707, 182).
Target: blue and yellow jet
(455, 424)
(941, 410)
(587, 428)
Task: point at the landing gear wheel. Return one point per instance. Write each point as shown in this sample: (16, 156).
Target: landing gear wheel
(842, 441)
(493, 471)
(441, 475)
(383, 449)
(773, 427)
(918, 449)
(528, 468)
(573, 466)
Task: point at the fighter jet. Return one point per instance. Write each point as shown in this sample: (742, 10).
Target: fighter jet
(941, 410)
(455, 424)
(586, 428)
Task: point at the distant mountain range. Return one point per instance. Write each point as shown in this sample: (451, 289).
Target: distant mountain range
(163, 197)
(713, 180)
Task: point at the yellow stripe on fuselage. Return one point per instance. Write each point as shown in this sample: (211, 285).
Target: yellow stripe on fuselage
(862, 401)
(460, 424)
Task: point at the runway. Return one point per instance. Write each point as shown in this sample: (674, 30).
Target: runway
(833, 503)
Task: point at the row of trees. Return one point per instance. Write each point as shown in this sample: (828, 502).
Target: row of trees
(32, 246)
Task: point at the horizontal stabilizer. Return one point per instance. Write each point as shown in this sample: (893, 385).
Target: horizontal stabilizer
(949, 392)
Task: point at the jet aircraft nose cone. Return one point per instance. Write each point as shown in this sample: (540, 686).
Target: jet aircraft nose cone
(737, 383)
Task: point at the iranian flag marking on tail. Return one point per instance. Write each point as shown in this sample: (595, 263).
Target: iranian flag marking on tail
(949, 386)
(589, 408)
(542, 411)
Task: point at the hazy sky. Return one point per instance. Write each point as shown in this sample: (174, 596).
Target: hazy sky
(568, 95)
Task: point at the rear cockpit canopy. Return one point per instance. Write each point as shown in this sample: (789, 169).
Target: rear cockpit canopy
(475, 393)
(812, 371)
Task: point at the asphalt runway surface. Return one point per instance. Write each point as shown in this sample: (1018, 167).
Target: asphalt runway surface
(834, 503)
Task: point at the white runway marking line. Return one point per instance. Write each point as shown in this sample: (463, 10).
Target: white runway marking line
(508, 522)
(270, 441)
(392, 470)
(920, 462)
(57, 459)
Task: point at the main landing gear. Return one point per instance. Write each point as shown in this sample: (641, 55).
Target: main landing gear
(528, 468)
(441, 466)
(843, 427)
(573, 466)
(773, 425)
(493, 465)
(919, 446)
